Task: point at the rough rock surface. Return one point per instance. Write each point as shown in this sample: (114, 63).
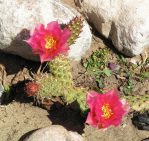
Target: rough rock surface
(18, 15)
(54, 133)
(125, 22)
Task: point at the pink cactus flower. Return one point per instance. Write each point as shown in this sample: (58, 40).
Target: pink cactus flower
(49, 42)
(106, 109)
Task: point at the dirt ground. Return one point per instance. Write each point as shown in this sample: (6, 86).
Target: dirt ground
(19, 118)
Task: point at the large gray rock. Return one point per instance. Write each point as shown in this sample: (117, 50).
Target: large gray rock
(54, 133)
(16, 15)
(125, 22)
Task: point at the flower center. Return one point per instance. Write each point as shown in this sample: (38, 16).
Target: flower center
(107, 112)
(50, 42)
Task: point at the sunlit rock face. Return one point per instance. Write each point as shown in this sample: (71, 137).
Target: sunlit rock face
(125, 22)
(18, 17)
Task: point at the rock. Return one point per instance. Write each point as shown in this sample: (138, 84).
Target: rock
(23, 15)
(54, 133)
(1, 92)
(125, 22)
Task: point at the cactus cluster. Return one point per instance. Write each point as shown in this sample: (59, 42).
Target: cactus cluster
(59, 83)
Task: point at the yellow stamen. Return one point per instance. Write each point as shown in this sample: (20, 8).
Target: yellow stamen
(107, 112)
(50, 42)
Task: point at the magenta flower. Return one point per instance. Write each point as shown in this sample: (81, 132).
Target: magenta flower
(49, 42)
(105, 109)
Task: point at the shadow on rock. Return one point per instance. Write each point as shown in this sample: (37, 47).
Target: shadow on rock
(147, 139)
(16, 92)
(13, 64)
(67, 117)
(27, 134)
(141, 121)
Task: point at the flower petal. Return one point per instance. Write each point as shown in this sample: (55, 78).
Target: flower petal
(90, 120)
(65, 35)
(37, 29)
(54, 26)
(125, 105)
(91, 97)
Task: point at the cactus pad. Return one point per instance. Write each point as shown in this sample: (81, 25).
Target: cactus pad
(75, 26)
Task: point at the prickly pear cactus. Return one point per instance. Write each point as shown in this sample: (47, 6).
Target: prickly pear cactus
(59, 83)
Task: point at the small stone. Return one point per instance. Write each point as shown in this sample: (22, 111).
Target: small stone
(54, 133)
